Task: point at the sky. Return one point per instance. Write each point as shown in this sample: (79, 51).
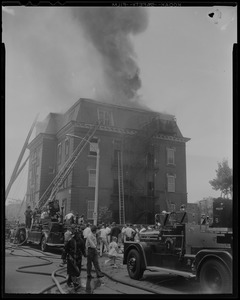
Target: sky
(176, 60)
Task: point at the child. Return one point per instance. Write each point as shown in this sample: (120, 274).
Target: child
(113, 251)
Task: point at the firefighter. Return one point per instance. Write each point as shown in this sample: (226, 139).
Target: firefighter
(28, 217)
(74, 249)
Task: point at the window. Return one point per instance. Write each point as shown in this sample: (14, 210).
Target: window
(105, 117)
(90, 210)
(66, 148)
(170, 156)
(93, 146)
(59, 153)
(92, 178)
(171, 183)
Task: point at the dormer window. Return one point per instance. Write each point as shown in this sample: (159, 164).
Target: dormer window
(105, 117)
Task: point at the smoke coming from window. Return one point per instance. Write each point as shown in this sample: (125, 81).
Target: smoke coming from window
(110, 30)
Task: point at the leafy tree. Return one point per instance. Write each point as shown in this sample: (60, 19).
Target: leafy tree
(223, 180)
(104, 215)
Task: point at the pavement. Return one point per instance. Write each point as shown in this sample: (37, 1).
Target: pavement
(120, 274)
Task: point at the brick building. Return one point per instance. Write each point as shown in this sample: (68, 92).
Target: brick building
(153, 157)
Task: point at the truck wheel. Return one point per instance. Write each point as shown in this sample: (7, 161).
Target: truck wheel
(214, 277)
(134, 265)
(43, 244)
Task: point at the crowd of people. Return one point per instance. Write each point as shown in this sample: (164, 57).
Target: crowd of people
(95, 240)
(83, 239)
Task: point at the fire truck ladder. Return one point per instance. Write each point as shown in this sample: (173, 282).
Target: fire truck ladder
(121, 189)
(55, 185)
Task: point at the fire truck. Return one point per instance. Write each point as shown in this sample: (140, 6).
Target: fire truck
(46, 232)
(191, 250)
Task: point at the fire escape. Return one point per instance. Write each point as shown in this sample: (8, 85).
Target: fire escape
(138, 153)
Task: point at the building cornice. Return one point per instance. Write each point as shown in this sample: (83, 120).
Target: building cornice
(133, 132)
(172, 138)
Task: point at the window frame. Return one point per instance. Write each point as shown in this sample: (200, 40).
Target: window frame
(171, 186)
(90, 178)
(93, 146)
(171, 156)
(105, 117)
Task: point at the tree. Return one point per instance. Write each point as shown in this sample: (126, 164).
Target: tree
(223, 180)
(104, 215)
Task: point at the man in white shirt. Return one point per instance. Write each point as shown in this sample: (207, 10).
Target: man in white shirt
(92, 254)
(130, 233)
(103, 239)
(86, 232)
(108, 230)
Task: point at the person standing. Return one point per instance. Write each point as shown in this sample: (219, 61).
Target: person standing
(92, 254)
(67, 236)
(113, 251)
(70, 255)
(86, 232)
(28, 217)
(74, 249)
(103, 239)
(130, 233)
(123, 236)
(115, 231)
(108, 230)
(81, 250)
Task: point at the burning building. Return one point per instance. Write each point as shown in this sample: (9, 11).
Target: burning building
(142, 161)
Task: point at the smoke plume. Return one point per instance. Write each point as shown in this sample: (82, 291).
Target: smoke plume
(109, 29)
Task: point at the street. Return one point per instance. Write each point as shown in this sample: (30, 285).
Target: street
(28, 270)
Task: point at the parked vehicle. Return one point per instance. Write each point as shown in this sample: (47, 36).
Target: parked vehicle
(44, 232)
(176, 247)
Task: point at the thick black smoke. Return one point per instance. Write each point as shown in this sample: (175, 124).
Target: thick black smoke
(110, 29)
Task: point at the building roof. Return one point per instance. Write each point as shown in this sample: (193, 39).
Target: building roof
(125, 117)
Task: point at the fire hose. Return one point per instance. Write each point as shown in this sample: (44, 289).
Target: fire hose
(48, 262)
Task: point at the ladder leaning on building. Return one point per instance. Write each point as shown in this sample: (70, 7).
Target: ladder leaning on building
(55, 185)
